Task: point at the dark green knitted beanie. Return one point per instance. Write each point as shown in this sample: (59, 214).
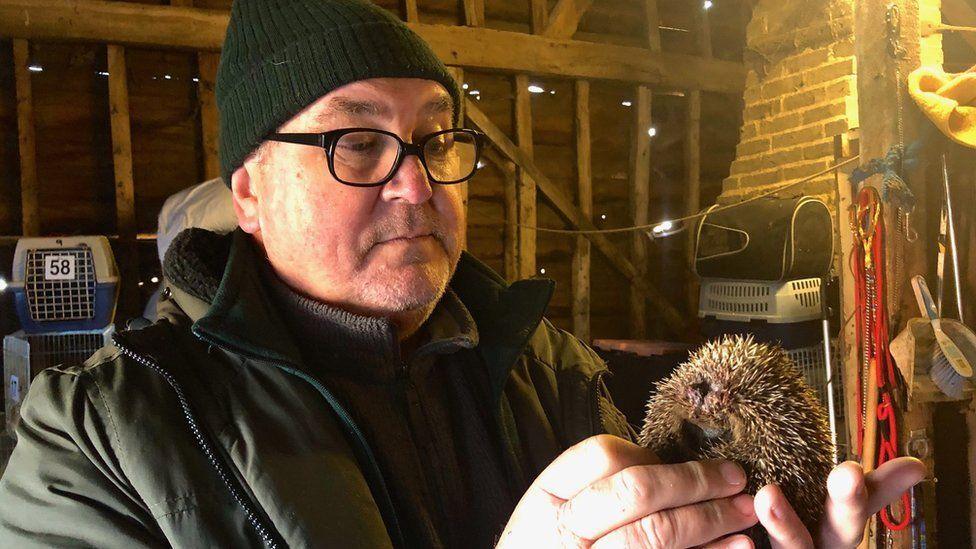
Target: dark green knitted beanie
(279, 56)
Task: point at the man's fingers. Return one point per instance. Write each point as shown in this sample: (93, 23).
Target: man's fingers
(588, 461)
(846, 509)
(852, 497)
(886, 483)
(641, 490)
(785, 529)
(686, 526)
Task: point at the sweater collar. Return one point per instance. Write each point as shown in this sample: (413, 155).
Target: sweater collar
(340, 342)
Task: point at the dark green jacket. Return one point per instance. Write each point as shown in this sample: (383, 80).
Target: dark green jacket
(206, 430)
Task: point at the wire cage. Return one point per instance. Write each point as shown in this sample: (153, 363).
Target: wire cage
(25, 355)
(810, 361)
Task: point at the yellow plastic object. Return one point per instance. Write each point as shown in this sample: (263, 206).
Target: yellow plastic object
(949, 101)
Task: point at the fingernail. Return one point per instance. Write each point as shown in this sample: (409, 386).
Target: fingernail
(744, 504)
(733, 473)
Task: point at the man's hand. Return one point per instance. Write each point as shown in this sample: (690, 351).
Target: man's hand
(852, 497)
(607, 492)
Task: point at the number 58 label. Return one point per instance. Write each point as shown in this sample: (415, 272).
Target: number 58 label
(59, 267)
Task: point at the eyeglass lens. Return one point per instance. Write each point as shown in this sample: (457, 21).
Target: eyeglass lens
(365, 157)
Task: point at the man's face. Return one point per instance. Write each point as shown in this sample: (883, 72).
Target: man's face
(380, 251)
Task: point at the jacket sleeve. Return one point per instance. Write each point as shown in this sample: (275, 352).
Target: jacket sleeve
(64, 485)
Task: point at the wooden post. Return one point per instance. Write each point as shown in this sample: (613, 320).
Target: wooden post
(640, 195)
(653, 29)
(474, 13)
(584, 184)
(693, 190)
(693, 151)
(30, 211)
(540, 16)
(704, 33)
(210, 124)
(118, 94)
(410, 7)
(847, 344)
(207, 64)
(526, 188)
(885, 54)
(458, 74)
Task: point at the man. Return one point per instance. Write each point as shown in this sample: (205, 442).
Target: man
(337, 373)
(207, 205)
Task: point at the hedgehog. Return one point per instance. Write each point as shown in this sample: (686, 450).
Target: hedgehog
(747, 402)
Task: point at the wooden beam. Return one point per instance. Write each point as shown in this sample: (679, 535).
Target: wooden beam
(207, 64)
(640, 197)
(26, 140)
(525, 190)
(125, 208)
(410, 7)
(565, 18)
(584, 186)
(474, 13)
(575, 218)
(653, 25)
(127, 23)
(540, 15)
(693, 188)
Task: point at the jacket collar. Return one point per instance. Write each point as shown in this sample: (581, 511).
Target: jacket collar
(241, 316)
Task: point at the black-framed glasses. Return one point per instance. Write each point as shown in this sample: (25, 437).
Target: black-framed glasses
(367, 157)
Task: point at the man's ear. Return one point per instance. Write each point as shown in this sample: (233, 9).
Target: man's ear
(246, 200)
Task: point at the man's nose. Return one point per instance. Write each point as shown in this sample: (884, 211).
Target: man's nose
(409, 184)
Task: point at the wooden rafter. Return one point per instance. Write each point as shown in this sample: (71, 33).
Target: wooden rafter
(127, 23)
(565, 18)
(575, 218)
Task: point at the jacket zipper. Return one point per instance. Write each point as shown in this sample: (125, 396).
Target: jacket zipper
(359, 439)
(267, 533)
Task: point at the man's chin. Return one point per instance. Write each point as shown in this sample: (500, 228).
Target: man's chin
(410, 287)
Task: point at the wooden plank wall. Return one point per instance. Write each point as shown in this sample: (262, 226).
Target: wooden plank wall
(172, 128)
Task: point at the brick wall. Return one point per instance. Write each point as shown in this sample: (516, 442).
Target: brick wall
(800, 92)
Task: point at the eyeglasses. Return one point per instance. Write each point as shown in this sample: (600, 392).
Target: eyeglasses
(367, 157)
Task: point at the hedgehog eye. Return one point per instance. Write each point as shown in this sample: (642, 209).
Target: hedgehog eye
(702, 388)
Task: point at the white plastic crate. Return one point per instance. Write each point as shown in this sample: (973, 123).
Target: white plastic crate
(774, 302)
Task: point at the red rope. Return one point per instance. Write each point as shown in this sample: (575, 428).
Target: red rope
(868, 223)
